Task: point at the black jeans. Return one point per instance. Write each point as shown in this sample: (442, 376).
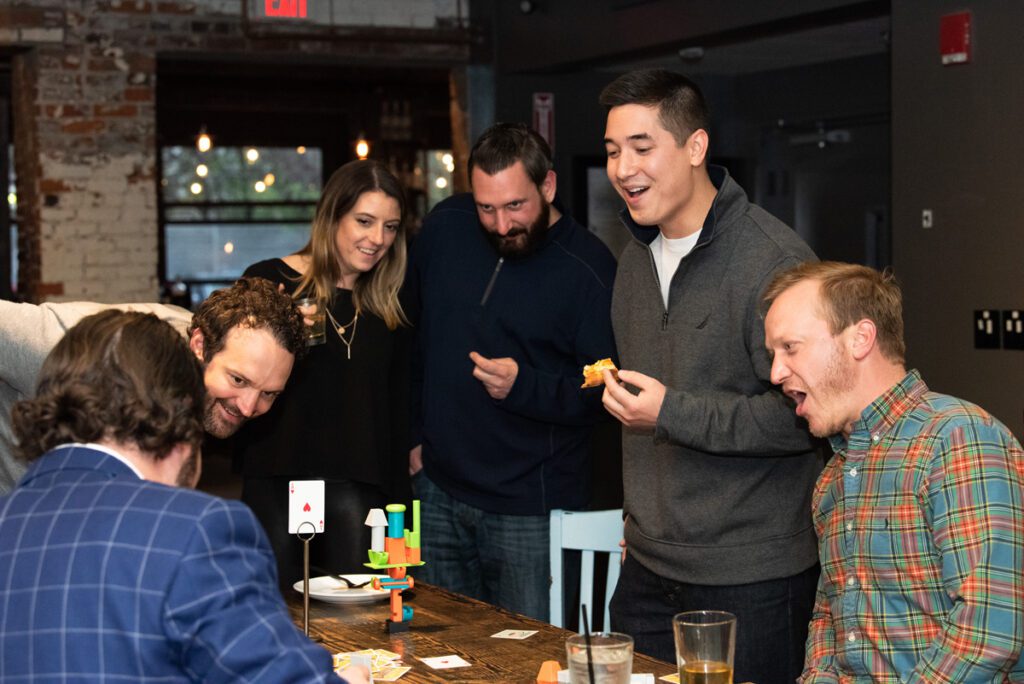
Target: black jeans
(343, 545)
(771, 618)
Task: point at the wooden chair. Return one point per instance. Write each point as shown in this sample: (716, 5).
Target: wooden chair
(589, 532)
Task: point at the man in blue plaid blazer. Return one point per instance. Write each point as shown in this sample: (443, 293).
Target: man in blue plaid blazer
(111, 569)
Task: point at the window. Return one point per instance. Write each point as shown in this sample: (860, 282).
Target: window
(229, 207)
(440, 168)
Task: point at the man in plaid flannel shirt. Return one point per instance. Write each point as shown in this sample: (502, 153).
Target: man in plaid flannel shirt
(920, 514)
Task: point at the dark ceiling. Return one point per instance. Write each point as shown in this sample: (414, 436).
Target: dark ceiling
(294, 102)
(804, 47)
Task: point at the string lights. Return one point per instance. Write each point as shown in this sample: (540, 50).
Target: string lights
(362, 147)
(203, 141)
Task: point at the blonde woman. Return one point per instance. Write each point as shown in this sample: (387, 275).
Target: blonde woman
(343, 416)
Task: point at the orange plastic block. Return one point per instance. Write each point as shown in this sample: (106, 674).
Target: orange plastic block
(395, 549)
(396, 606)
(548, 672)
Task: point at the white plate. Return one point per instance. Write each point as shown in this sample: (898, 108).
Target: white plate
(334, 591)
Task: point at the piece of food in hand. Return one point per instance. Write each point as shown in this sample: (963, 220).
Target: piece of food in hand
(592, 374)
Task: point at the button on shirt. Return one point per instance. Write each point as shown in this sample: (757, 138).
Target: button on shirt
(921, 526)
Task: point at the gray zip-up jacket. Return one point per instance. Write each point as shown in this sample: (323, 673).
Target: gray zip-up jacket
(719, 493)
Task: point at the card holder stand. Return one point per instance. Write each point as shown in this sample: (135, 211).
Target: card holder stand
(305, 576)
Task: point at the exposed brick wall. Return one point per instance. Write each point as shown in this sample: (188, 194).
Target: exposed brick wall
(26, 169)
(85, 125)
(94, 146)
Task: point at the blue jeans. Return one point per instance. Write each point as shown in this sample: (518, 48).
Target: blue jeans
(771, 618)
(500, 559)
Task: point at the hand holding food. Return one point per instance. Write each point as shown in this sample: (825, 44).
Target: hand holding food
(592, 374)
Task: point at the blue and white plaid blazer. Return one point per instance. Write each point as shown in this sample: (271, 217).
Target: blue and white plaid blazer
(108, 578)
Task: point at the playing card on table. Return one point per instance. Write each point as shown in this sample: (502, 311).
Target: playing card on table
(385, 666)
(305, 504)
(444, 662)
(390, 674)
(514, 634)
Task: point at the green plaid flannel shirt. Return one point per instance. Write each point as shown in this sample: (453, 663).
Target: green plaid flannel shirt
(920, 522)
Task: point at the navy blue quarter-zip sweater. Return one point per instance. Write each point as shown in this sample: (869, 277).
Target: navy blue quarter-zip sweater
(550, 311)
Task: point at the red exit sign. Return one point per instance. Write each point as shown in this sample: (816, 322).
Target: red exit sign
(285, 8)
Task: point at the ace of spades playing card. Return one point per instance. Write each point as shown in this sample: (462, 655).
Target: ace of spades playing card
(305, 504)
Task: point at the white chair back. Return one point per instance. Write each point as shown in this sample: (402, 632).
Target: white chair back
(589, 532)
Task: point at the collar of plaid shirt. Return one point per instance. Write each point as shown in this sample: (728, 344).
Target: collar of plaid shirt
(884, 412)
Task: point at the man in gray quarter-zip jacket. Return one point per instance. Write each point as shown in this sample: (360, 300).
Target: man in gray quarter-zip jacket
(717, 471)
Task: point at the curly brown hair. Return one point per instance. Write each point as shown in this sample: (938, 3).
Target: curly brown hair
(251, 303)
(123, 376)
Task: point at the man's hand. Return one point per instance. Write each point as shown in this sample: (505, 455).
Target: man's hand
(415, 459)
(497, 375)
(635, 411)
(356, 674)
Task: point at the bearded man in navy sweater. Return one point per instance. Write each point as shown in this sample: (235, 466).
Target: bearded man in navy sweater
(510, 298)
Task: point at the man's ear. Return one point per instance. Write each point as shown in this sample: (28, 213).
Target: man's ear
(548, 187)
(697, 146)
(195, 343)
(863, 339)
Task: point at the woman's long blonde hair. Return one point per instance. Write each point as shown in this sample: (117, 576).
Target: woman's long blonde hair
(375, 291)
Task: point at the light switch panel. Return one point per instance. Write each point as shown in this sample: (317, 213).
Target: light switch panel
(986, 329)
(1013, 329)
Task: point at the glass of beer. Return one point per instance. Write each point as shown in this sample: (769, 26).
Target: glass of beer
(315, 319)
(610, 655)
(705, 644)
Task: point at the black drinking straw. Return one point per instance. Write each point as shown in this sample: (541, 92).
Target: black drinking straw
(586, 637)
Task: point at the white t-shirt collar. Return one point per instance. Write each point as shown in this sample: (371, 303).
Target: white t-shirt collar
(107, 450)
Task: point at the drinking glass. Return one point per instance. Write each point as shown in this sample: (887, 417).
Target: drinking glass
(610, 652)
(316, 333)
(705, 644)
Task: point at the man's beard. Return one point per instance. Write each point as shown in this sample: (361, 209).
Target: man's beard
(214, 424)
(837, 383)
(521, 242)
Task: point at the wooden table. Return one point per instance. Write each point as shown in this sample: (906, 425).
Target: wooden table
(446, 623)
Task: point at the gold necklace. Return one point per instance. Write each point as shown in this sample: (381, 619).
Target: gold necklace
(340, 329)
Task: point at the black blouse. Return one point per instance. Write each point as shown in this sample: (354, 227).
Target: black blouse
(337, 418)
